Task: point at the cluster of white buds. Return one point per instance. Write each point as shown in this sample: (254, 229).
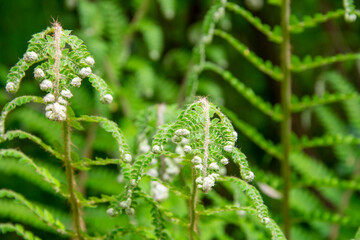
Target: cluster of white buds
(56, 112)
(158, 191)
(46, 85)
(85, 72)
(76, 82)
(208, 183)
(126, 205)
(39, 73)
(30, 57)
(10, 87)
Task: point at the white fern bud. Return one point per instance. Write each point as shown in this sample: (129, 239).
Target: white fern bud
(214, 166)
(76, 82)
(126, 203)
(196, 160)
(62, 101)
(185, 141)
(49, 115)
(10, 87)
(153, 172)
(235, 134)
(228, 148)
(199, 180)
(208, 183)
(187, 149)
(215, 175)
(90, 60)
(265, 220)
(127, 158)
(107, 99)
(156, 149)
(30, 56)
(66, 93)
(49, 98)
(130, 211)
(219, 14)
(46, 85)
(85, 72)
(39, 73)
(350, 17)
(49, 107)
(182, 132)
(224, 161)
(250, 176)
(133, 182)
(154, 55)
(111, 212)
(198, 167)
(158, 191)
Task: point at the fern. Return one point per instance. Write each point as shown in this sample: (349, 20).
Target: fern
(18, 229)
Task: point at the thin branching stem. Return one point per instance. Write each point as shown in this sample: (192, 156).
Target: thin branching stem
(286, 110)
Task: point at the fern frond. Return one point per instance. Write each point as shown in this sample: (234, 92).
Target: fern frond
(43, 172)
(153, 37)
(12, 105)
(85, 163)
(302, 163)
(309, 62)
(312, 101)
(341, 85)
(227, 208)
(10, 166)
(168, 8)
(262, 211)
(19, 230)
(329, 182)
(253, 134)
(265, 66)
(327, 140)
(177, 191)
(161, 210)
(334, 125)
(10, 135)
(272, 111)
(273, 34)
(298, 26)
(110, 127)
(44, 215)
(143, 232)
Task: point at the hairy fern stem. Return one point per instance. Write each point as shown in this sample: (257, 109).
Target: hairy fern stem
(192, 207)
(286, 108)
(74, 202)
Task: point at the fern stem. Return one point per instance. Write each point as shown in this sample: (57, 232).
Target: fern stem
(286, 109)
(192, 209)
(206, 135)
(57, 58)
(74, 202)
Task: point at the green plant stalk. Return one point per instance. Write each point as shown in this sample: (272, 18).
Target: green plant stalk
(192, 206)
(286, 108)
(70, 178)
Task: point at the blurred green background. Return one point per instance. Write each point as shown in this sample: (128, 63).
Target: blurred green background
(143, 50)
